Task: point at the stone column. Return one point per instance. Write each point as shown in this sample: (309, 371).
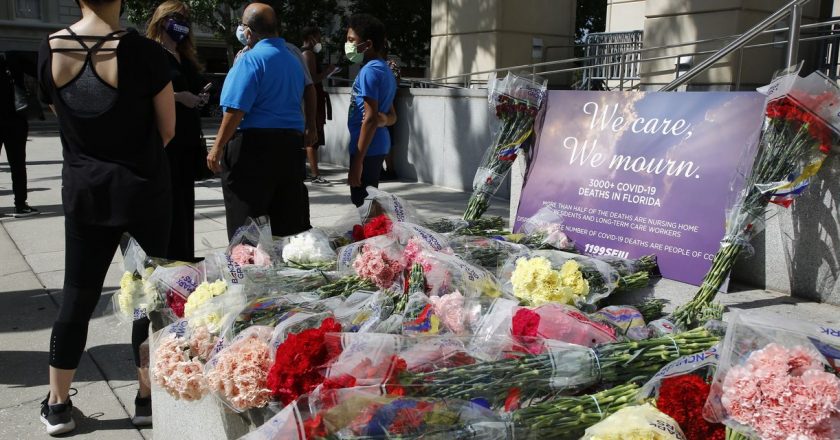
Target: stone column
(476, 35)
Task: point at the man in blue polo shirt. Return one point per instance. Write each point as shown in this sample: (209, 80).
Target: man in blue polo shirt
(263, 128)
(373, 93)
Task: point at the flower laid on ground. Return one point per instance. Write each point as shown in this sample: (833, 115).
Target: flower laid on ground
(375, 265)
(449, 309)
(562, 368)
(179, 368)
(309, 250)
(568, 417)
(245, 254)
(683, 398)
(239, 373)
(794, 143)
(536, 282)
(643, 422)
(379, 225)
(345, 287)
(784, 393)
(560, 323)
(365, 415)
(297, 367)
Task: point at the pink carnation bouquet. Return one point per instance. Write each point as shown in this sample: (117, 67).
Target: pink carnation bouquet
(375, 264)
(784, 393)
(179, 367)
(238, 374)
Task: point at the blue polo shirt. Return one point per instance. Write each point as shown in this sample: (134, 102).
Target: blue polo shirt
(267, 84)
(375, 81)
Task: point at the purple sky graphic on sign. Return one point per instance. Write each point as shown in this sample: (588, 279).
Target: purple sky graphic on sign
(636, 173)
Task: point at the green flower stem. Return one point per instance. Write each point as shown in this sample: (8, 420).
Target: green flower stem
(345, 286)
(782, 151)
(532, 374)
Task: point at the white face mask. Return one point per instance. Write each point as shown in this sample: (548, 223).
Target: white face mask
(240, 35)
(317, 48)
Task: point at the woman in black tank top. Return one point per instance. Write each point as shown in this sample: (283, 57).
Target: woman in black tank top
(112, 94)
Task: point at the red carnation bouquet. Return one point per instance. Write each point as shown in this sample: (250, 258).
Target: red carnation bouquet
(298, 365)
(800, 127)
(379, 225)
(683, 398)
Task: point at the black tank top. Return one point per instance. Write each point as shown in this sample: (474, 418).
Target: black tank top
(115, 169)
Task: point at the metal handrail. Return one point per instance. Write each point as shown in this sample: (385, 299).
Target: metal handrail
(793, 9)
(739, 43)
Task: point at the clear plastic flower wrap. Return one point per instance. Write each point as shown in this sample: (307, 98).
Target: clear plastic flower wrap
(559, 368)
(636, 422)
(215, 307)
(177, 363)
(270, 310)
(252, 244)
(137, 296)
(488, 253)
(405, 233)
(364, 312)
(801, 126)
(237, 374)
(363, 414)
(680, 390)
(515, 101)
(776, 378)
(542, 276)
(539, 277)
(308, 250)
(544, 230)
(294, 321)
(378, 259)
(379, 202)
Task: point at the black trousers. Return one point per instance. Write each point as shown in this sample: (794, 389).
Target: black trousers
(371, 169)
(262, 176)
(182, 234)
(88, 252)
(13, 132)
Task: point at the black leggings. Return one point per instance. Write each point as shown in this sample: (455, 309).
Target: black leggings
(88, 252)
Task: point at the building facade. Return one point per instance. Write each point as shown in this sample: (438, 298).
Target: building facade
(25, 23)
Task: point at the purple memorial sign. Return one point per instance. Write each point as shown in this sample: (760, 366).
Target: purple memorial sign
(637, 173)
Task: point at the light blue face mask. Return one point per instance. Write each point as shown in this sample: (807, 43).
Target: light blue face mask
(240, 35)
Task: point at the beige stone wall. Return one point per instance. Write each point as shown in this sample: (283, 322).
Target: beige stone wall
(477, 35)
(666, 22)
(625, 15)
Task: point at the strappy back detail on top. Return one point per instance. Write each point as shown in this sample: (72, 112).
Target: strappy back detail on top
(87, 93)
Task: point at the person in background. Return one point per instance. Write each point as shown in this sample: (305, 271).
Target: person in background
(259, 146)
(111, 91)
(311, 36)
(372, 93)
(14, 129)
(170, 26)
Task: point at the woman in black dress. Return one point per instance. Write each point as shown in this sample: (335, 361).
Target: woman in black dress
(170, 26)
(112, 93)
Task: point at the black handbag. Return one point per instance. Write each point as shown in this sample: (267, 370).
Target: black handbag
(21, 95)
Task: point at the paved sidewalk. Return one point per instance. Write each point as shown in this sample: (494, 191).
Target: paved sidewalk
(31, 275)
